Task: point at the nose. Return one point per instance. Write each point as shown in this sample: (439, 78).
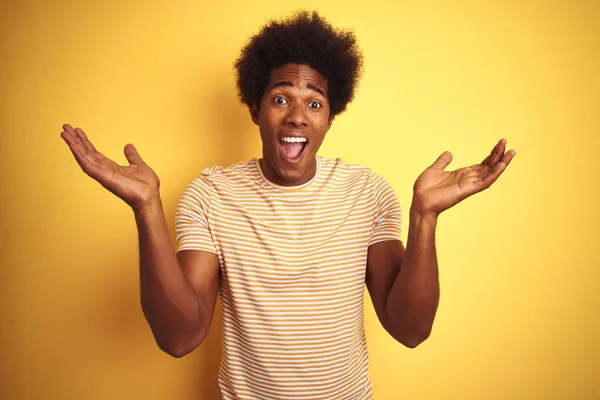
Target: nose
(296, 115)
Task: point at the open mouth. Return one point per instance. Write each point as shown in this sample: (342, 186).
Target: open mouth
(292, 147)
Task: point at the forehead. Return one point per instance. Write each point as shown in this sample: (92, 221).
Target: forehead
(299, 75)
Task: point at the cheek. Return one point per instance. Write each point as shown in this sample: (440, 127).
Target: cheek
(323, 125)
(267, 130)
(266, 116)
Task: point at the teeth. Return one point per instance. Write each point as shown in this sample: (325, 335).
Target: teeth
(294, 139)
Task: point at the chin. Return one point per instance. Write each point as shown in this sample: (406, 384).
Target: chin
(293, 178)
(290, 172)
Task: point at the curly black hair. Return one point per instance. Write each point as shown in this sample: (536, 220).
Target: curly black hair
(304, 38)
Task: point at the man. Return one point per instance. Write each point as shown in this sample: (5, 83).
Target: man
(290, 239)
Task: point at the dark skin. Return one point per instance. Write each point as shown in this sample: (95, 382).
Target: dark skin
(178, 291)
(294, 104)
(402, 282)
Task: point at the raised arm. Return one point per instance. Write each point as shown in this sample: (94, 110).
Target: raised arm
(404, 283)
(178, 293)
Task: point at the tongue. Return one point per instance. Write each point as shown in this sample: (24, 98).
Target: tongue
(292, 150)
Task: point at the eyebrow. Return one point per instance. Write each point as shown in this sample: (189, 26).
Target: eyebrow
(309, 86)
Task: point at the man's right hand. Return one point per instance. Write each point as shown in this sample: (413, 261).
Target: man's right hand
(136, 184)
(178, 291)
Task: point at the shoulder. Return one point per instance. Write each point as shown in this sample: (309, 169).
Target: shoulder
(234, 171)
(217, 175)
(211, 180)
(340, 170)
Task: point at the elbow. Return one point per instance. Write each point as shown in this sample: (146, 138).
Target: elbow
(409, 331)
(412, 338)
(175, 341)
(177, 350)
(179, 347)
(413, 341)
(174, 351)
(177, 353)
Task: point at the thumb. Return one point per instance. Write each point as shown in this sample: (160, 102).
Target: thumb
(443, 161)
(132, 155)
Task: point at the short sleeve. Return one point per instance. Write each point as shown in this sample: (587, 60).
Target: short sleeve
(387, 223)
(192, 230)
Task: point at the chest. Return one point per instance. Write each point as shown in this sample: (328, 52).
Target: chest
(293, 243)
(313, 222)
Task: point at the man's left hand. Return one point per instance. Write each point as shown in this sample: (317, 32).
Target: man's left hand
(437, 190)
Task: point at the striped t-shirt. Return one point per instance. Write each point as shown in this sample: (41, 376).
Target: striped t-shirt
(293, 263)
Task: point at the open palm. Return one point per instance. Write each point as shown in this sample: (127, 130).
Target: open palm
(436, 190)
(135, 183)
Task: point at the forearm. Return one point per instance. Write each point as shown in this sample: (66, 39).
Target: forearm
(413, 300)
(169, 302)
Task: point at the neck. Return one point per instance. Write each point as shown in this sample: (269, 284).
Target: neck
(272, 176)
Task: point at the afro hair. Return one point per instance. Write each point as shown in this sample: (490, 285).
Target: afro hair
(304, 38)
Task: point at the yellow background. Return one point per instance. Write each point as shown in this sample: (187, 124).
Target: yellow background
(519, 269)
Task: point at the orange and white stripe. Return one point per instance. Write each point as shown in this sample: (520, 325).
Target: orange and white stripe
(293, 263)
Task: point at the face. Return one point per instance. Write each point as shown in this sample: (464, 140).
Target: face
(293, 118)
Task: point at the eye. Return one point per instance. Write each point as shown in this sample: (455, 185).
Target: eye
(314, 104)
(280, 100)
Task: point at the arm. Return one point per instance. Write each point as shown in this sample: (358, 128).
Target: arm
(178, 293)
(404, 283)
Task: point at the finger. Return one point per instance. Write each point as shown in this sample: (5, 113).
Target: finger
(132, 155)
(68, 138)
(86, 164)
(69, 134)
(507, 159)
(84, 157)
(443, 161)
(489, 157)
(498, 152)
(488, 178)
(74, 142)
(69, 129)
(493, 149)
(84, 139)
(501, 165)
(72, 138)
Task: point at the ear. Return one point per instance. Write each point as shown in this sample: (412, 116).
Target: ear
(330, 121)
(254, 111)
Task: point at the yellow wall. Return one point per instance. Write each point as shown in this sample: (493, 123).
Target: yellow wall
(520, 274)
